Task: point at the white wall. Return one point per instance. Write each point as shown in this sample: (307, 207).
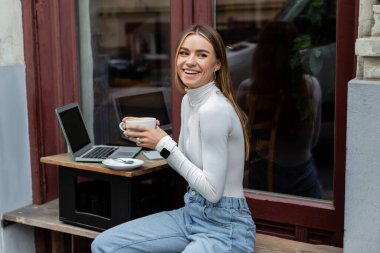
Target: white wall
(15, 179)
(362, 210)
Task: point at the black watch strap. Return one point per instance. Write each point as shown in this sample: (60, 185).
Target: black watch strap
(165, 153)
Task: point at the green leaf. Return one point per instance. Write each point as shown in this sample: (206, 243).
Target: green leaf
(316, 11)
(302, 42)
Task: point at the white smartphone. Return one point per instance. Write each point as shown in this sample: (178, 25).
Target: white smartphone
(152, 155)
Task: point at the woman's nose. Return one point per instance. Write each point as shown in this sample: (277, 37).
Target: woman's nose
(190, 60)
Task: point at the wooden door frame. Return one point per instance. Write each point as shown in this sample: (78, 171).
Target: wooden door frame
(50, 51)
(182, 11)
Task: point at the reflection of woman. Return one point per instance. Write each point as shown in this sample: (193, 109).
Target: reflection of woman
(210, 156)
(275, 68)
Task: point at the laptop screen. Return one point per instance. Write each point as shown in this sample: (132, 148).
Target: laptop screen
(151, 104)
(74, 128)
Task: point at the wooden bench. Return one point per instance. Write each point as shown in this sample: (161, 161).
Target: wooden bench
(46, 216)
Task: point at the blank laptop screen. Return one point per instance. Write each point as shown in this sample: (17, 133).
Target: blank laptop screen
(144, 105)
(74, 128)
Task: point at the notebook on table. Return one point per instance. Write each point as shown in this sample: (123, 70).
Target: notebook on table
(78, 140)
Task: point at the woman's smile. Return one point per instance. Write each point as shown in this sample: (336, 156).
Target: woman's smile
(190, 72)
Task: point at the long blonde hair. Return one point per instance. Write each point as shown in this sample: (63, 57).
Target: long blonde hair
(222, 76)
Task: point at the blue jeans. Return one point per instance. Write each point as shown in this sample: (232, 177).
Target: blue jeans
(199, 227)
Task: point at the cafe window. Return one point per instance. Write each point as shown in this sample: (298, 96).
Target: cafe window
(323, 51)
(125, 64)
(286, 47)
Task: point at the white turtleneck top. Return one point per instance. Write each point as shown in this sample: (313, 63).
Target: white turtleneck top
(210, 154)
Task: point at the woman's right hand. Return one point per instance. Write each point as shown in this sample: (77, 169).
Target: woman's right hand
(148, 137)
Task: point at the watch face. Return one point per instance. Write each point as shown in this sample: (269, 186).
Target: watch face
(165, 153)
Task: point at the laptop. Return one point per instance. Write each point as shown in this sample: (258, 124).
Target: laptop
(78, 140)
(146, 103)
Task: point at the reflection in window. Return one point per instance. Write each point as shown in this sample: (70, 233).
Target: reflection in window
(124, 53)
(303, 71)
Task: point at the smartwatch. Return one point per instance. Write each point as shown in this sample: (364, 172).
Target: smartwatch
(165, 153)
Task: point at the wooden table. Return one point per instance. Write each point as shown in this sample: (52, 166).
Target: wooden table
(96, 197)
(66, 161)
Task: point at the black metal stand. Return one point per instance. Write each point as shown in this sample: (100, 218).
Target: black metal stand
(99, 201)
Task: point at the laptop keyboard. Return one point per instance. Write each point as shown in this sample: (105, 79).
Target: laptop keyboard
(100, 152)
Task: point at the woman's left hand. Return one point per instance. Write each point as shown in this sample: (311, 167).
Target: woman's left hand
(144, 136)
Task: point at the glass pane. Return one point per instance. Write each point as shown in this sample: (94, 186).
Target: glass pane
(284, 47)
(125, 64)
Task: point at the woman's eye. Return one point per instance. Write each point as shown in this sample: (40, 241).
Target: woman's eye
(202, 55)
(183, 53)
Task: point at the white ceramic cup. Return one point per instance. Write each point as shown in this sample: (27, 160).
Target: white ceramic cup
(134, 121)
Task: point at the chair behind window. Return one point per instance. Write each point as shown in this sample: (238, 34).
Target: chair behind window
(263, 113)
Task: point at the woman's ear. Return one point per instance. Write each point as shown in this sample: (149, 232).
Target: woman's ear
(217, 66)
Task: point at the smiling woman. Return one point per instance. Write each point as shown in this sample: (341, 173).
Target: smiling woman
(210, 156)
